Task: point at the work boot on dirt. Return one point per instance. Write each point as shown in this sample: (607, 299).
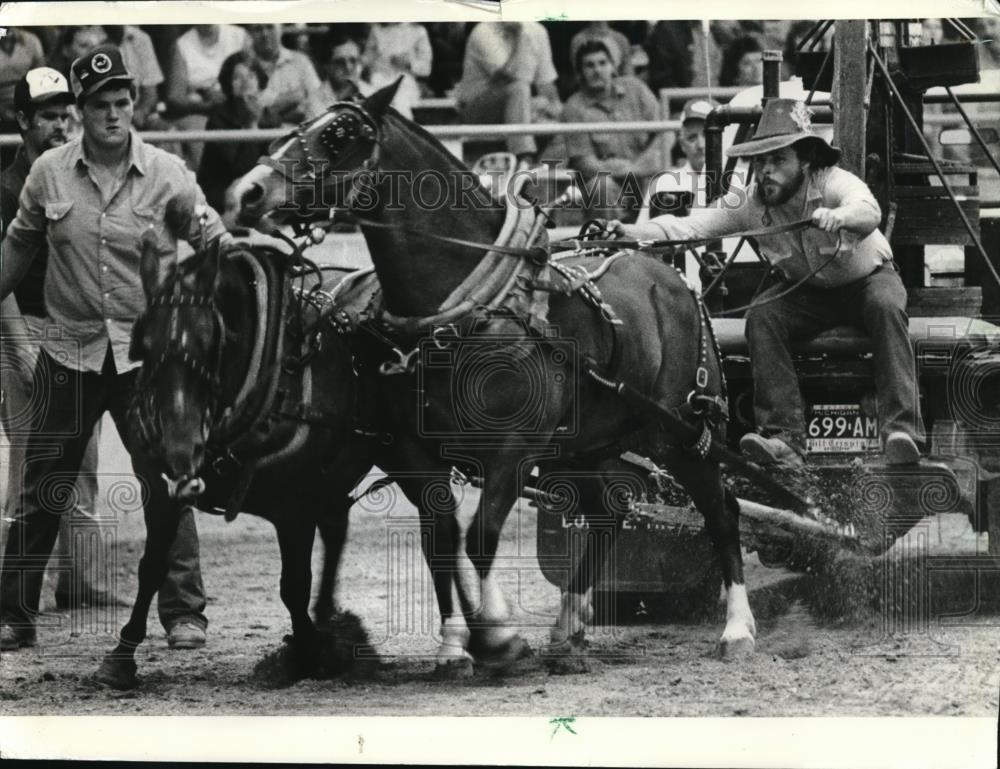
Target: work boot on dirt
(186, 635)
(14, 638)
(769, 451)
(900, 449)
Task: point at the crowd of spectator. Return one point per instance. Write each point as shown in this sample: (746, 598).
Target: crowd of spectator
(272, 75)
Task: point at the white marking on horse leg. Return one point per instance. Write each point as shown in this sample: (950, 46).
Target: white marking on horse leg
(454, 639)
(575, 611)
(467, 583)
(494, 606)
(738, 637)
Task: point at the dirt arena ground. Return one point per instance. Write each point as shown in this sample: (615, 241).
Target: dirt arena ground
(802, 667)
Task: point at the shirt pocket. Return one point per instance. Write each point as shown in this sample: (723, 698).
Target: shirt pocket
(57, 214)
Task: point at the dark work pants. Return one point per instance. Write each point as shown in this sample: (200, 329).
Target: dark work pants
(74, 401)
(877, 304)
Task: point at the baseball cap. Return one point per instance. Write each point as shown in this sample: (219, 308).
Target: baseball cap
(41, 85)
(697, 109)
(100, 66)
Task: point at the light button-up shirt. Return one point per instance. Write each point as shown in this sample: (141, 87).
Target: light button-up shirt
(799, 253)
(93, 290)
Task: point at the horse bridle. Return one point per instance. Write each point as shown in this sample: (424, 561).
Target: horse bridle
(176, 349)
(343, 138)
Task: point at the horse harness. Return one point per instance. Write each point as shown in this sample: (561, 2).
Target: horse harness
(277, 387)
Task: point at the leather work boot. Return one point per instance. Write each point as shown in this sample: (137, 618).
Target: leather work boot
(900, 449)
(14, 638)
(186, 635)
(769, 451)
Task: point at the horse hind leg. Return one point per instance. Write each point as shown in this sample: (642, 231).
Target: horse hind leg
(493, 642)
(295, 539)
(567, 637)
(333, 531)
(439, 539)
(703, 481)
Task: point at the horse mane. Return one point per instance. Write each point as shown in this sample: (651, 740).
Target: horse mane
(418, 134)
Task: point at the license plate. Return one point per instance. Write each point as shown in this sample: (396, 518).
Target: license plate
(836, 428)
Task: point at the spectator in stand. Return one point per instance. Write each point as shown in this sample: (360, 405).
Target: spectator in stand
(20, 51)
(614, 167)
(193, 82)
(140, 60)
(75, 42)
(618, 45)
(242, 80)
(292, 93)
(679, 189)
(398, 48)
(741, 63)
(505, 64)
(687, 53)
(448, 47)
(339, 60)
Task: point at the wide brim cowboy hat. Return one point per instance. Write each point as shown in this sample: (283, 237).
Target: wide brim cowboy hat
(783, 123)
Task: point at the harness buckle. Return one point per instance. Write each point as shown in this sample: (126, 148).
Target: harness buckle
(405, 364)
(701, 377)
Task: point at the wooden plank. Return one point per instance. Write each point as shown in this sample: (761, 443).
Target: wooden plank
(849, 77)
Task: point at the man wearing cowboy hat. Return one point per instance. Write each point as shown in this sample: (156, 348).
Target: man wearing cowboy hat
(87, 202)
(848, 273)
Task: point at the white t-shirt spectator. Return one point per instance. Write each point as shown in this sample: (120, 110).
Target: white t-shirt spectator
(488, 50)
(204, 62)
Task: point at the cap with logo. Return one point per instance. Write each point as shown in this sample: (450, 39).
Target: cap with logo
(100, 66)
(697, 109)
(40, 86)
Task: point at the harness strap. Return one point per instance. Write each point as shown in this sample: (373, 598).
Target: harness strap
(654, 245)
(694, 436)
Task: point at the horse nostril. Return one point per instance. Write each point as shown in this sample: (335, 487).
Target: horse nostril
(253, 196)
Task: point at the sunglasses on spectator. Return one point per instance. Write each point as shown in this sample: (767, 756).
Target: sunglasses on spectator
(348, 60)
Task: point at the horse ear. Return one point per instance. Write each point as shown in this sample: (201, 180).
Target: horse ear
(376, 104)
(149, 264)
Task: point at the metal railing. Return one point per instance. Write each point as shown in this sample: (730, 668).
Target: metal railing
(470, 132)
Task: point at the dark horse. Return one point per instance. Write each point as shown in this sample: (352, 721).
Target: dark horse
(214, 398)
(519, 399)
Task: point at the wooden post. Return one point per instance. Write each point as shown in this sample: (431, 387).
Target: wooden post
(849, 76)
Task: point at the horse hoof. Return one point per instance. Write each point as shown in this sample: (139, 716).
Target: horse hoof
(502, 657)
(457, 669)
(567, 657)
(117, 673)
(736, 648)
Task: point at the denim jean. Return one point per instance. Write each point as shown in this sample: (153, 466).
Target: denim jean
(877, 304)
(60, 433)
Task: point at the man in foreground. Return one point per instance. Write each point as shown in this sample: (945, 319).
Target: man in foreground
(88, 202)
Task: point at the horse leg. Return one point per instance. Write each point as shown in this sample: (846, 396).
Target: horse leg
(295, 539)
(439, 539)
(576, 611)
(703, 481)
(491, 639)
(118, 669)
(333, 531)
